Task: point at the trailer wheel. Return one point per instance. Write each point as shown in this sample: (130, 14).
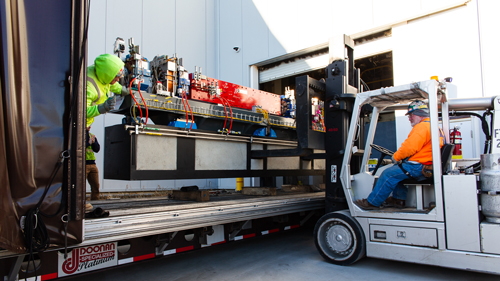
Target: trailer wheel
(339, 238)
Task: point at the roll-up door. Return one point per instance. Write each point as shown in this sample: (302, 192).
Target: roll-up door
(292, 67)
(293, 64)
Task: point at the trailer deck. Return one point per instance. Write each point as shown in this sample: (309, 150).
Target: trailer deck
(131, 218)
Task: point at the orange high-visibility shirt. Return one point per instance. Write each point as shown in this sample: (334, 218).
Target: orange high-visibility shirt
(418, 144)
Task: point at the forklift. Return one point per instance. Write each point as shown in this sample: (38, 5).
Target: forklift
(450, 220)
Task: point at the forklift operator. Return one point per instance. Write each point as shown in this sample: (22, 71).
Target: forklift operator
(414, 153)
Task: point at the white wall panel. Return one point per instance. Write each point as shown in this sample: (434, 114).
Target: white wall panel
(489, 22)
(281, 17)
(230, 62)
(255, 46)
(123, 19)
(97, 31)
(315, 20)
(388, 11)
(190, 33)
(429, 5)
(351, 17)
(158, 28)
(444, 45)
(210, 35)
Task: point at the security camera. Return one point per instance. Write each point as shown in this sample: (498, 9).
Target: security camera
(236, 49)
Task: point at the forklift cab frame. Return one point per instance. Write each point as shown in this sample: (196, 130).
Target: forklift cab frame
(341, 237)
(359, 186)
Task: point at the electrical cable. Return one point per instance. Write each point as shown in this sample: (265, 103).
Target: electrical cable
(130, 89)
(488, 142)
(132, 112)
(225, 111)
(484, 125)
(192, 119)
(231, 125)
(488, 132)
(36, 235)
(185, 109)
(145, 106)
(364, 84)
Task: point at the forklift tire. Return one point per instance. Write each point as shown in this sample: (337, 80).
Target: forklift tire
(339, 238)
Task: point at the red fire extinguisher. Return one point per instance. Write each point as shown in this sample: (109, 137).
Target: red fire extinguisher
(456, 138)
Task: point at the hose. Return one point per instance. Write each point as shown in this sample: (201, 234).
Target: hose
(225, 111)
(231, 125)
(145, 106)
(185, 109)
(130, 89)
(192, 119)
(484, 125)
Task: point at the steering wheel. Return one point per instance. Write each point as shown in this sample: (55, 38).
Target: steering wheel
(383, 152)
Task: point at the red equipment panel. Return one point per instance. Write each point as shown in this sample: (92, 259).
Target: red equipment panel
(236, 95)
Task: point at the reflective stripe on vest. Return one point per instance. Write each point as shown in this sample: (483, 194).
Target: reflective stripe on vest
(441, 134)
(91, 80)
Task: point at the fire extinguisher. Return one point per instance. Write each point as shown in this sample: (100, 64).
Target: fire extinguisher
(456, 138)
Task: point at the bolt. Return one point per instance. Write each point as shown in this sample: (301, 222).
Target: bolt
(339, 238)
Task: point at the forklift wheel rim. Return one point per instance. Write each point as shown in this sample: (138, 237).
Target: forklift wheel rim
(328, 237)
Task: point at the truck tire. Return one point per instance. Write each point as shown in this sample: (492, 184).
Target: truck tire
(339, 238)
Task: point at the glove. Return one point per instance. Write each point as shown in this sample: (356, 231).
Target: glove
(107, 105)
(394, 160)
(124, 91)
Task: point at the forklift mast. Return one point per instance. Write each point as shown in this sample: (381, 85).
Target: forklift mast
(338, 90)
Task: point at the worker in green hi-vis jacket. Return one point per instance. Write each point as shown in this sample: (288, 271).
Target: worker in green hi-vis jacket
(102, 78)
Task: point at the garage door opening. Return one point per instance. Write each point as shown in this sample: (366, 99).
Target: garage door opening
(376, 71)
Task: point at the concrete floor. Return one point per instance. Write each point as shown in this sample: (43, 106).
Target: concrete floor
(281, 256)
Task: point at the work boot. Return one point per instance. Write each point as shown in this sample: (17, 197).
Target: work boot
(394, 203)
(365, 205)
(88, 207)
(97, 213)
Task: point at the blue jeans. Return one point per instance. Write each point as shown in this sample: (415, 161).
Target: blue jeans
(390, 181)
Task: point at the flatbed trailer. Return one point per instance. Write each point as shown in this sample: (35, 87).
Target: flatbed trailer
(145, 228)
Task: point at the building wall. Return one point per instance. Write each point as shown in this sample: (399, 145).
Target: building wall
(459, 42)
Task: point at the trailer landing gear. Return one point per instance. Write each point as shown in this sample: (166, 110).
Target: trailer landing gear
(339, 238)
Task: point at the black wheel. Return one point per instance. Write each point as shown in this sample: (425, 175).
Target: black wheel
(339, 238)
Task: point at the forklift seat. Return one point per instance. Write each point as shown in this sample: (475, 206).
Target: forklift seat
(446, 153)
